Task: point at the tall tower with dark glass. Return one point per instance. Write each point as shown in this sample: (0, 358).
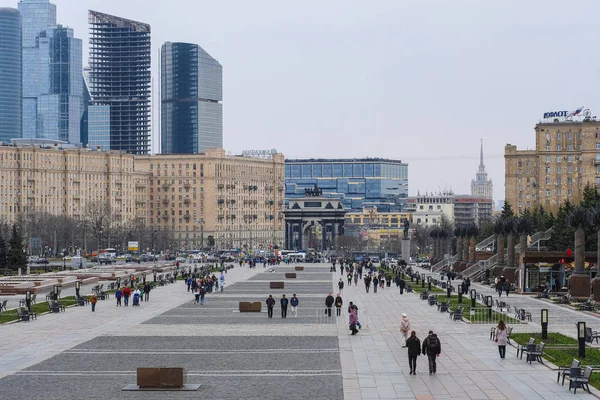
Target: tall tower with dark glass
(191, 95)
(119, 84)
(11, 83)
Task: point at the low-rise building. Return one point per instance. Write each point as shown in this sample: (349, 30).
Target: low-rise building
(472, 210)
(427, 210)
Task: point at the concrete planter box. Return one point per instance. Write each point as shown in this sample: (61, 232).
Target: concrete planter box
(290, 275)
(276, 285)
(299, 268)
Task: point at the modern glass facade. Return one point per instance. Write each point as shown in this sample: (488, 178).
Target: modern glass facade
(52, 86)
(98, 127)
(377, 182)
(191, 92)
(120, 79)
(11, 83)
(38, 15)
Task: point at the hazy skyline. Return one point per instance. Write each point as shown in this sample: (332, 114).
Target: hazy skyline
(420, 81)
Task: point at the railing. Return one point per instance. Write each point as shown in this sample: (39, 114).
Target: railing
(485, 315)
(536, 239)
(444, 263)
(485, 243)
(480, 266)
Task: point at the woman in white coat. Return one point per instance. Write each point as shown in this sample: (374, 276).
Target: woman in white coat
(404, 328)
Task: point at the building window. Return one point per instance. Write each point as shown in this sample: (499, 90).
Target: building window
(547, 158)
(597, 146)
(547, 192)
(569, 136)
(569, 147)
(570, 159)
(548, 136)
(558, 147)
(558, 181)
(558, 192)
(558, 159)
(558, 170)
(569, 181)
(547, 181)
(557, 135)
(569, 192)
(570, 169)
(547, 147)
(547, 170)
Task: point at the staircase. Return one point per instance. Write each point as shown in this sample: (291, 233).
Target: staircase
(444, 263)
(480, 266)
(485, 243)
(536, 239)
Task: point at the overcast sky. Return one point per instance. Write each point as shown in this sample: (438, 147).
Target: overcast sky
(421, 81)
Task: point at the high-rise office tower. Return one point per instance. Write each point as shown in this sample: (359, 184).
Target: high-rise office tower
(119, 84)
(11, 83)
(191, 95)
(52, 83)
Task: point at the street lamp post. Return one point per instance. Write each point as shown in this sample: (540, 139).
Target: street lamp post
(581, 338)
(473, 297)
(544, 323)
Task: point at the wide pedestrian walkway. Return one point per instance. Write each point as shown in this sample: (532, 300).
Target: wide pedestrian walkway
(375, 366)
(24, 344)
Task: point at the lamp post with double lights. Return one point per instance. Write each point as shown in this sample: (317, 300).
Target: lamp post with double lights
(544, 323)
(581, 338)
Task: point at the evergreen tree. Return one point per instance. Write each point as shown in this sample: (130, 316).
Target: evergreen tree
(16, 255)
(563, 235)
(3, 253)
(591, 197)
(507, 210)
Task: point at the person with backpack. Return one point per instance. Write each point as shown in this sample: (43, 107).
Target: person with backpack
(338, 305)
(202, 294)
(270, 304)
(432, 347)
(118, 295)
(414, 350)
(329, 300)
(341, 285)
(93, 301)
(375, 283)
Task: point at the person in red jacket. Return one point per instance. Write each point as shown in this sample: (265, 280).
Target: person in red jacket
(126, 295)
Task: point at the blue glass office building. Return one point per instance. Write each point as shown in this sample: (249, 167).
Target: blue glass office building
(191, 95)
(11, 84)
(52, 82)
(359, 183)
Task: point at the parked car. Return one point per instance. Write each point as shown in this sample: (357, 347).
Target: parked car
(170, 257)
(42, 261)
(181, 260)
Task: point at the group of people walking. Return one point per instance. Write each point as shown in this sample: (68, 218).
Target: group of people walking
(140, 293)
(431, 346)
(284, 302)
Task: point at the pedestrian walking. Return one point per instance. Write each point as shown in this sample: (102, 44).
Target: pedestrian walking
(356, 274)
(118, 296)
(432, 347)
(197, 296)
(270, 303)
(329, 300)
(501, 338)
(353, 322)
(353, 307)
(404, 328)
(284, 304)
(93, 301)
(294, 303)
(349, 278)
(202, 294)
(402, 285)
(375, 283)
(338, 305)
(341, 285)
(126, 295)
(147, 289)
(414, 350)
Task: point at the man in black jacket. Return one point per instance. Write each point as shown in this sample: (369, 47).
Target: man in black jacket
(402, 285)
(414, 350)
(432, 347)
(329, 303)
(270, 304)
(284, 304)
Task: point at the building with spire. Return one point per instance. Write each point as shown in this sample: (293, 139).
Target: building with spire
(481, 186)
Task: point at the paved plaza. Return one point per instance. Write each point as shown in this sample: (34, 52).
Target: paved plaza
(80, 354)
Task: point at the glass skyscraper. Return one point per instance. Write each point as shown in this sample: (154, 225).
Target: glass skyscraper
(359, 183)
(11, 83)
(191, 95)
(119, 83)
(52, 82)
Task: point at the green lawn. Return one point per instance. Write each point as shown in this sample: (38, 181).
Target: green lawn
(39, 308)
(563, 356)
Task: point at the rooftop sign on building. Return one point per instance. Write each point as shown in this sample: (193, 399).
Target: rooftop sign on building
(259, 153)
(567, 115)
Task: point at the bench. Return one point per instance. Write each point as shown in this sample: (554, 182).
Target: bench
(55, 307)
(23, 315)
(425, 295)
(276, 285)
(456, 315)
(590, 335)
(298, 268)
(577, 380)
(566, 371)
(290, 275)
(246, 306)
(161, 378)
(534, 353)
